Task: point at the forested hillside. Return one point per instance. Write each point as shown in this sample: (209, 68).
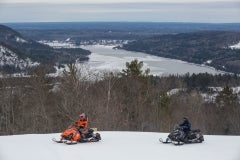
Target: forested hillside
(131, 100)
(209, 47)
(13, 44)
(81, 31)
(208, 44)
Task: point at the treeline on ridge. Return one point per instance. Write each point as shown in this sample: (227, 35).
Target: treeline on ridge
(207, 47)
(128, 101)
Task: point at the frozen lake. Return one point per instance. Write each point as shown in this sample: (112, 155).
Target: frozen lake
(109, 59)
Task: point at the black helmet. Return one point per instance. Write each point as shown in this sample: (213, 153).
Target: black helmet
(185, 118)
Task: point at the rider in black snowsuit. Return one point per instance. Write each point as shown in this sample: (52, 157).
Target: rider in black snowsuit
(186, 125)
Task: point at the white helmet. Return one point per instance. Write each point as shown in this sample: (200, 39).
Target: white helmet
(82, 115)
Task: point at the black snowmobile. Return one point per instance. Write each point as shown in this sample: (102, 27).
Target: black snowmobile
(178, 137)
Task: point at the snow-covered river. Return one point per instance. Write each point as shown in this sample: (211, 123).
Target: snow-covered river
(107, 58)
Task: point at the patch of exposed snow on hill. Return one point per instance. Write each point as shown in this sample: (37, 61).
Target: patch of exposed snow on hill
(60, 44)
(208, 62)
(68, 39)
(8, 57)
(235, 46)
(175, 91)
(209, 96)
(236, 90)
(18, 39)
(69, 43)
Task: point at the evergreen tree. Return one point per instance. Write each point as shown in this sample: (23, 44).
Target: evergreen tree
(226, 97)
(228, 110)
(134, 68)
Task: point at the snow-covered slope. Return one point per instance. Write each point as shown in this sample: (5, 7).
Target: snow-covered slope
(118, 146)
(8, 57)
(235, 46)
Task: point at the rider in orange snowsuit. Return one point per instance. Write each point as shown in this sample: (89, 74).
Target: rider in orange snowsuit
(82, 123)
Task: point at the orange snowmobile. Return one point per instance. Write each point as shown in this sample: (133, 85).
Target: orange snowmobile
(73, 135)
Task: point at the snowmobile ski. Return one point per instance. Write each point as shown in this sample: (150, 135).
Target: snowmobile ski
(58, 141)
(64, 141)
(88, 140)
(169, 141)
(177, 143)
(70, 142)
(162, 141)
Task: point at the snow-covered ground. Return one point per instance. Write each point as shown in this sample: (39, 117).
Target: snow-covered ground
(8, 57)
(21, 40)
(118, 146)
(208, 96)
(60, 44)
(235, 46)
(68, 43)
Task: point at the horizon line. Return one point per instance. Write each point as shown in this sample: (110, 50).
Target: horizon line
(124, 22)
(197, 2)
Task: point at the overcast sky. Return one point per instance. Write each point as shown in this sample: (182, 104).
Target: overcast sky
(110, 1)
(206, 11)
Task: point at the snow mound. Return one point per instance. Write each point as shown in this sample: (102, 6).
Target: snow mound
(235, 46)
(118, 146)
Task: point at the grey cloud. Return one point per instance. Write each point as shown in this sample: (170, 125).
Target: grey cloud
(163, 12)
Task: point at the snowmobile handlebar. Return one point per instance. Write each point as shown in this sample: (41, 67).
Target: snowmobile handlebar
(177, 126)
